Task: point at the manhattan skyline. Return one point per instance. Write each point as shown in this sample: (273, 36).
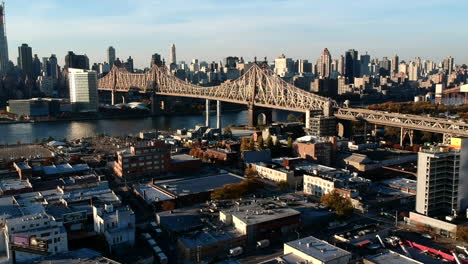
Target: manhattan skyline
(211, 31)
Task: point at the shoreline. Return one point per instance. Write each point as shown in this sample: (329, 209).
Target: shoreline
(92, 118)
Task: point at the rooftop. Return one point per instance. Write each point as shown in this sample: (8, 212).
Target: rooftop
(13, 184)
(260, 212)
(198, 185)
(201, 238)
(80, 256)
(182, 158)
(318, 249)
(391, 257)
(151, 194)
(401, 183)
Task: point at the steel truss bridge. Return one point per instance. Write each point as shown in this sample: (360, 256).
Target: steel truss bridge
(260, 87)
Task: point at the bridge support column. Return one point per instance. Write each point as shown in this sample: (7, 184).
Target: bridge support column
(307, 120)
(153, 104)
(112, 97)
(365, 131)
(254, 113)
(123, 99)
(207, 113)
(406, 132)
(218, 114)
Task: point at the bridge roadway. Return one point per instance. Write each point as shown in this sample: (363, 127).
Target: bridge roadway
(260, 87)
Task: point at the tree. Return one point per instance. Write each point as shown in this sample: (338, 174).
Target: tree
(237, 190)
(283, 186)
(244, 144)
(269, 142)
(342, 206)
(250, 172)
(228, 130)
(292, 118)
(261, 145)
(290, 143)
(251, 144)
(276, 150)
(462, 233)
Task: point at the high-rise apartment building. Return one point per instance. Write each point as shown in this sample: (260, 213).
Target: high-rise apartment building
(395, 64)
(413, 71)
(4, 59)
(156, 60)
(324, 66)
(83, 89)
(442, 184)
(447, 64)
(75, 61)
(25, 60)
(129, 64)
(284, 66)
(111, 56)
(351, 64)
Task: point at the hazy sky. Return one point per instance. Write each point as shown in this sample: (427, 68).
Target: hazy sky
(213, 29)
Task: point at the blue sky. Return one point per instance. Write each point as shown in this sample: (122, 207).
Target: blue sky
(213, 29)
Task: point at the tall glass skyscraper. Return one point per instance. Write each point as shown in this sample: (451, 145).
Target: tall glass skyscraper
(3, 41)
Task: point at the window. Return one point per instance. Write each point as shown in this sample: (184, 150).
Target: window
(125, 160)
(125, 166)
(148, 157)
(141, 158)
(156, 156)
(141, 164)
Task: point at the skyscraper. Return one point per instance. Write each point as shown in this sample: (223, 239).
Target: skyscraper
(365, 60)
(395, 63)
(447, 64)
(36, 67)
(156, 60)
(351, 64)
(172, 57)
(341, 65)
(25, 60)
(53, 71)
(129, 64)
(3, 42)
(324, 66)
(83, 89)
(111, 56)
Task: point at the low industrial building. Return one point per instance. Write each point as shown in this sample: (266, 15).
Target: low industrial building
(209, 244)
(390, 257)
(36, 107)
(262, 219)
(277, 173)
(311, 250)
(321, 180)
(372, 159)
(184, 163)
(188, 192)
(318, 150)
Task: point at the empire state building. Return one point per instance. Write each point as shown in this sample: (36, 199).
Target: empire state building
(3, 41)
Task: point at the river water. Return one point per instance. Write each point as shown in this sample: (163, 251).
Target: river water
(29, 132)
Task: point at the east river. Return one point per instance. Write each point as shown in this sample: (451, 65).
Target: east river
(30, 132)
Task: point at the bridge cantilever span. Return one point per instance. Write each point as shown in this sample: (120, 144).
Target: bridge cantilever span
(258, 86)
(414, 122)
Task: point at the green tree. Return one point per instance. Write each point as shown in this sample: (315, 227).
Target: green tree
(261, 145)
(251, 144)
(290, 143)
(292, 118)
(228, 130)
(269, 142)
(283, 186)
(276, 150)
(244, 144)
(342, 206)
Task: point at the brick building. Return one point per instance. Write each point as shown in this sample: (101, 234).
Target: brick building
(138, 161)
